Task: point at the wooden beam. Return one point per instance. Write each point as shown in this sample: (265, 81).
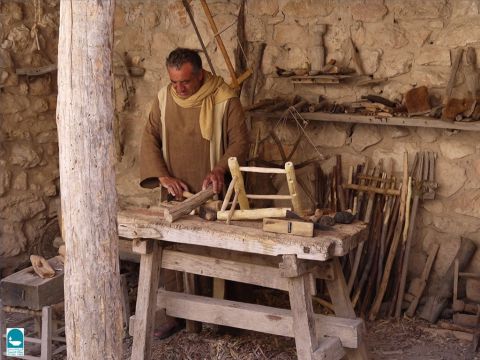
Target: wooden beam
(255, 317)
(253, 214)
(417, 121)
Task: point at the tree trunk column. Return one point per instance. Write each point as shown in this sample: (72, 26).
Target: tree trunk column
(85, 113)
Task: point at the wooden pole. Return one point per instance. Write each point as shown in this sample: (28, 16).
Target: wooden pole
(85, 113)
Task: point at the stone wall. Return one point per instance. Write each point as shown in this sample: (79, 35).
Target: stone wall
(410, 42)
(28, 138)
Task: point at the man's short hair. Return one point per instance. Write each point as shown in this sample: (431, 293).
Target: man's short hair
(180, 56)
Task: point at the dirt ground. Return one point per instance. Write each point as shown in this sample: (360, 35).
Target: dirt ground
(392, 340)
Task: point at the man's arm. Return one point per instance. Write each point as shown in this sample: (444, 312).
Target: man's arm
(153, 169)
(237, 144)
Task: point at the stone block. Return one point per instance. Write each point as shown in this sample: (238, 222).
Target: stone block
(21, 207)
(20, 182)
(370, 11)
(20, 37)
(465, 8)
(39, 105)
(329, 136)
(291, 34)
(12, 104)
(455, 224)
(40, 86)
(396, 132)
(433, 55)
(255, 27)
(386, 36)
(428, 135)
(433, 76)
(468, 203)
(5, 176)
(13, 241)
(450, 177)
(259, 8)
(433, 206)
(413, 9)
(395, 63)
(309, 8)
(24, 156)
(365, 136)
(370, 60)
(460, 32)
(456, 148)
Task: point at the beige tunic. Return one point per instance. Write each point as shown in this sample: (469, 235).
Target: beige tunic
(189, 153)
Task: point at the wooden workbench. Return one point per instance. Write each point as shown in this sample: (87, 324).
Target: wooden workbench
(243, 252)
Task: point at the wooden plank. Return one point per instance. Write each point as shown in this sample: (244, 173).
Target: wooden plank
(281, 226)
(26, 289)
(330, 348)
(36, 71)
(46, 342)
(244, 236)
(417, 121)
(255, 317)
(261, 275)
(145, 307)
(337, 288)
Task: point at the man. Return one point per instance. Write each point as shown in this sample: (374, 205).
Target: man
(196, 123)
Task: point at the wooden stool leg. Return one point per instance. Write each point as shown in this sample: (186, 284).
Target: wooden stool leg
(3, 330)
(46, 337)
(189, 287)
(150, 264)
(337, 288)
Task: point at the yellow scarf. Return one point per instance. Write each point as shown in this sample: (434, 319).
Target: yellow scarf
(213, 91)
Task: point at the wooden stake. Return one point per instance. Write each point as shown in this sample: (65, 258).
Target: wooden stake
(239, 184)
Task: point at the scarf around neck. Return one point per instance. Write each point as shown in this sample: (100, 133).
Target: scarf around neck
(213, 91)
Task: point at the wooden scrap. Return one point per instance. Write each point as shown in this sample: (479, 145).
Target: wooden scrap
(416, 100)
(41, 267)
(184, 208)
(37, 70)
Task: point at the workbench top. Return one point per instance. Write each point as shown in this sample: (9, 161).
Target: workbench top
(244, 236)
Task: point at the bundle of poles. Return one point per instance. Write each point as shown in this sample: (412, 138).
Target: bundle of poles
(377, 271)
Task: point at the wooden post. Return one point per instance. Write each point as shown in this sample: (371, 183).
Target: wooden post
(46, 336)
(85, 113)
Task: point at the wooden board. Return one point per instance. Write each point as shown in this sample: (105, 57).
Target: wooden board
(26, 289)
(245, 236)
(255, 317)
(417, 121)
(282, 226)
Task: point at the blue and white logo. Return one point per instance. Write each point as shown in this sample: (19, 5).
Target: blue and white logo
(15, 342)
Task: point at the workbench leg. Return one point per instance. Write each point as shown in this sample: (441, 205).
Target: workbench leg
(150, 264)
(337, 288)
(303, 318)
(3, 330)
(46, 334)
(189, 287)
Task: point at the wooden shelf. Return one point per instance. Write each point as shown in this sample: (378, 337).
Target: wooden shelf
(417, 121)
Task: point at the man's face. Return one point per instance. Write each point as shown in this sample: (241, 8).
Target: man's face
(184, 80)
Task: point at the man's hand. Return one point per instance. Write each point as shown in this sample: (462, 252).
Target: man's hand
(174, 186)
(215, 178)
